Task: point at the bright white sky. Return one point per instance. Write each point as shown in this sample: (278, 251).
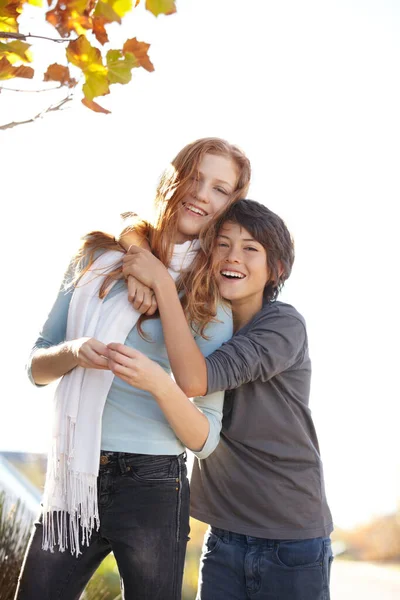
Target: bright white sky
(311, 91)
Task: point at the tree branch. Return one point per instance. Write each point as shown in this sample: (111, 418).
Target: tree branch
(7, 89)
(24, 36)
(51, 108)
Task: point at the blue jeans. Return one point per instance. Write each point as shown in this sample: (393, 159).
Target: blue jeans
(242, 567)
(144, 521)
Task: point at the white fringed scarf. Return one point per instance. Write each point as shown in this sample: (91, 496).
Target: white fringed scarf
(70, 494)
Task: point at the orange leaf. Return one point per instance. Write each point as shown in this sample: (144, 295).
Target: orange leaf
(139, 51)
(7, 71)
(59, 73)
(70, 15)
(95, 107)
(99, 29)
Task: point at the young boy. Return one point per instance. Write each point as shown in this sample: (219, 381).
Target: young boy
(262, 489)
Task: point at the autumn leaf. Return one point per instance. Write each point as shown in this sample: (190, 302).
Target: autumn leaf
(161, 7)
(7, 71)
(81, 54)
(70, 15)
(120, 66)
(96, 83)
(139, 51)
(108, 11)
(16, 51)
(56, 72)
(87, 58)
(9, 12)
(99, 30)
(95, 107)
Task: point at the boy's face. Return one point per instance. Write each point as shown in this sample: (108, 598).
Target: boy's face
(243, 271)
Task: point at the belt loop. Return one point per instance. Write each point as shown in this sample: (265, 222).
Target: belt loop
(121, 462)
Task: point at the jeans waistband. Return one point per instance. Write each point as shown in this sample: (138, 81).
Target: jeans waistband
(123, 461)
(229, 537)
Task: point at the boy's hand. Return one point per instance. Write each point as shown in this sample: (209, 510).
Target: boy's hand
(134, 367)
(141, 296)
(144, 266)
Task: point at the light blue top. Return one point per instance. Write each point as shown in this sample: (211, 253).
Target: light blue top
(132, 420)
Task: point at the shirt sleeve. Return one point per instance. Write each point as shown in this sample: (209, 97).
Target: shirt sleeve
(211, 405)
(272, 345)
(55, 327)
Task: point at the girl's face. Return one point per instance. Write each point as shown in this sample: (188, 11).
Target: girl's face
(210, 191)
(243, 271)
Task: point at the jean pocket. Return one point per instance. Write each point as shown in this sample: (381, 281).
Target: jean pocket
(300, 554)
(211, 544)
(156, 470)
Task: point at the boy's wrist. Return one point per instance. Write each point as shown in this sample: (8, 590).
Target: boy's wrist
(163, 282)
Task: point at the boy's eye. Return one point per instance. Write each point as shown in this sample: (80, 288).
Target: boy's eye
(251, 248)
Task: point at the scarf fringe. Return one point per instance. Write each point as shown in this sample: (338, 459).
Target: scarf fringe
(78, 493)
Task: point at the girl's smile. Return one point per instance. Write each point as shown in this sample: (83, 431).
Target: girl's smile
(209, 193)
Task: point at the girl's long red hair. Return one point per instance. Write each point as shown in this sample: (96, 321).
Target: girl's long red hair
(200, 293)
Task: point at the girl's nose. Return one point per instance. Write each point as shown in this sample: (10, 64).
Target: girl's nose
(201, 192)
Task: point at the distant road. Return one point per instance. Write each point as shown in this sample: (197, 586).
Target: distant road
(363, 581)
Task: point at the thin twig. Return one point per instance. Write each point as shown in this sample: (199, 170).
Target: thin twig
(24, 36)
(6, 89)
(51, 108)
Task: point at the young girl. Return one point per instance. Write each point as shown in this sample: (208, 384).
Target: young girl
(262, 489)
(136, 502)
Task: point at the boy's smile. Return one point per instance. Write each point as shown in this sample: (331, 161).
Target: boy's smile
(242, 271)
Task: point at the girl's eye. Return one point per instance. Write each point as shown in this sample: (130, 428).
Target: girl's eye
(222, 191)
(222, 245)
(251, 248)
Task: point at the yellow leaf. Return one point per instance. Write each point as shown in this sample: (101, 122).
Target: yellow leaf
(96, 83)
(120, 67)
(161, 7)
(16, 51)
(8, 24)
(81, 54)
(122, 7)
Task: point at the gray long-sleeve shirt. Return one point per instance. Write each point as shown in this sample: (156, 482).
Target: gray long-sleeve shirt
(265, 479)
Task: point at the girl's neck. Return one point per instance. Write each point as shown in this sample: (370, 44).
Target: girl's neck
(181, 238)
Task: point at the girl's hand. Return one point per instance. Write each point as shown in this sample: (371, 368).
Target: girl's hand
(90, 353)
(134, 367)
(141, 296)
(143, 265)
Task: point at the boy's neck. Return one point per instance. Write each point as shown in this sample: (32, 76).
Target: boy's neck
(244, 310)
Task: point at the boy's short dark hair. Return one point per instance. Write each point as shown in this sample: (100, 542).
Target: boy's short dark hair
(270, 231)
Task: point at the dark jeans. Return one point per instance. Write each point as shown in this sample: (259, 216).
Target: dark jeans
(241, 567)
(144, 521)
